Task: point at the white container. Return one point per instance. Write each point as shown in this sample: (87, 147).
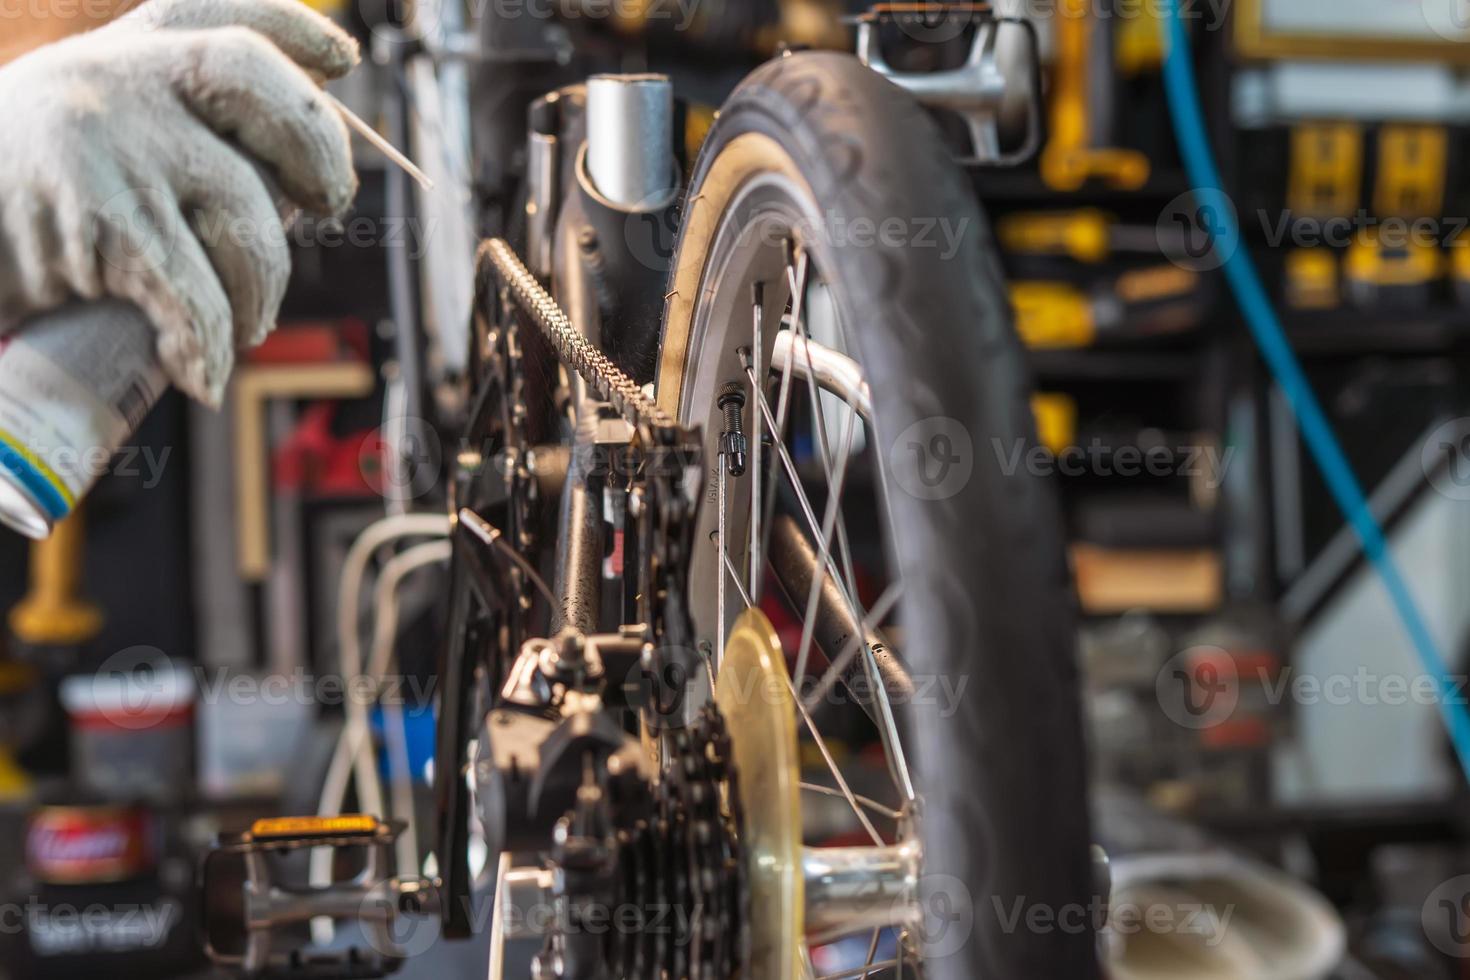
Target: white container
(132, 732)
(252, 730)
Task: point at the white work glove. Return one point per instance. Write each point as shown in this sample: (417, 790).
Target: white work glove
(131, 164)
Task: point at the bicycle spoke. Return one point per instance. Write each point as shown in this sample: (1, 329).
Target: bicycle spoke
(872, 952)
(824, 452)
(834, 481)
(880, 609)
(832, 766)
(897, 759)
(796, 279)
(814, 594)
(789, 465)
(758, 316)
(720, 587)
(898, 762)
(772, 387)
(824, 449)
(734, 574)
(862, 971)
(871, 804)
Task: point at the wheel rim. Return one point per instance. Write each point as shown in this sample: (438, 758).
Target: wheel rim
(756, 239)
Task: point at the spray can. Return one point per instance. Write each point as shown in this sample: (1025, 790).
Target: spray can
(74, 385)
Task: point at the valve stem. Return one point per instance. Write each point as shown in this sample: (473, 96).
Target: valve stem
(733, 444)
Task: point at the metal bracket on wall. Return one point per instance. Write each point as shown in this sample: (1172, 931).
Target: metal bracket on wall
(254, 387)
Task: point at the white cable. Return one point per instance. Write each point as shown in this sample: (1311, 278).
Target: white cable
(354, 745)
(385, 633)
(350, 760)
(385, 600)
(354, 748)
(349, 645)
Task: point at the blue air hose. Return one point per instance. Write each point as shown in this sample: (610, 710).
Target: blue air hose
(1270, 338)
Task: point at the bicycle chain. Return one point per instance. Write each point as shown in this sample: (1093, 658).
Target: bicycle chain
(605, 377)
(667, 452)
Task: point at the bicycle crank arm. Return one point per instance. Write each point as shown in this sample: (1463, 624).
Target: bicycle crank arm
(373, 897)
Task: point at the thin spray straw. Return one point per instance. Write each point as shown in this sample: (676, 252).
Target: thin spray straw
(383, 146)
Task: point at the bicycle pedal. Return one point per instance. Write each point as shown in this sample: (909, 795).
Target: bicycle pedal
(996, 92)
(255, 921)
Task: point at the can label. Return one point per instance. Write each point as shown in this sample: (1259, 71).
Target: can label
(74, 385)
(68, 845)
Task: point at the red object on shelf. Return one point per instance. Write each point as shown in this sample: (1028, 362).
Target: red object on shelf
(314, 459)
(313, 342)
(89, 844)
(1238, 733)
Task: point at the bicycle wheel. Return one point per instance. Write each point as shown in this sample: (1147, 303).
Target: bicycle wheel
(826, 218)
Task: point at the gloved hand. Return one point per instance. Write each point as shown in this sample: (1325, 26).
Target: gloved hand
(131, 167)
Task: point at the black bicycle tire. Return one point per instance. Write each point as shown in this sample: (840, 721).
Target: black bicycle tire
(988, 594)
